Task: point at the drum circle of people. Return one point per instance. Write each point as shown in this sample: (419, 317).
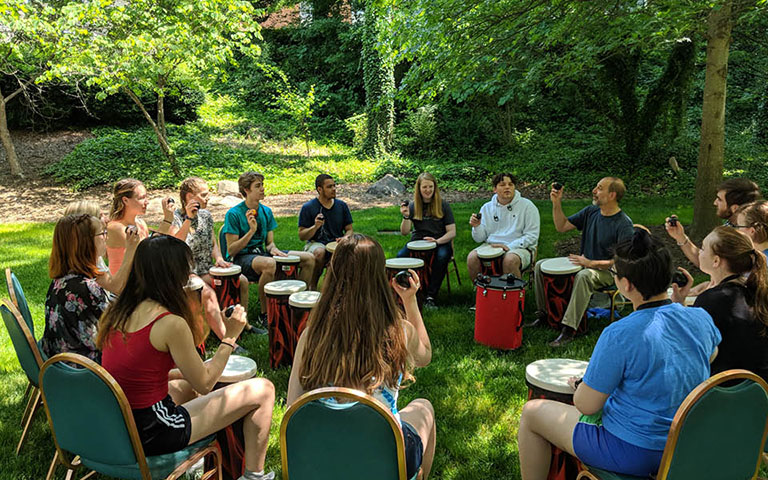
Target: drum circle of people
(134, 316)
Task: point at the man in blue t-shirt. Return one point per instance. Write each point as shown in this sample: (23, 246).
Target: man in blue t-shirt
(249, 228)
(602, 226)
(323, 220)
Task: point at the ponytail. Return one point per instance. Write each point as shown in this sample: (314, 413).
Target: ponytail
(757, 283)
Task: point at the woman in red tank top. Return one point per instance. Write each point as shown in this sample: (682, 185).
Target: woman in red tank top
(147, 331)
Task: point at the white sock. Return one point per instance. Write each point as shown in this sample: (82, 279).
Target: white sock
(260, 475)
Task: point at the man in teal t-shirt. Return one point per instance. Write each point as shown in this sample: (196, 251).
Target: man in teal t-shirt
(249, 228)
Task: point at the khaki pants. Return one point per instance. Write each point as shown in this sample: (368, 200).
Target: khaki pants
(587, 282)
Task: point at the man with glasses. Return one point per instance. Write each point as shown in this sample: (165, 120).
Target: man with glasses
(602, 225)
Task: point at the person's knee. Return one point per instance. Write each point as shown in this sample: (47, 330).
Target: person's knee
(530, 412)
(318, 254)
(472, 259)
(260, 390)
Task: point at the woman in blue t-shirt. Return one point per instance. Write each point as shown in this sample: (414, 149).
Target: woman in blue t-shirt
(431, 219)
(641, 370)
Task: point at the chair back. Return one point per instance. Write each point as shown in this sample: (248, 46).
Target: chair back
(27, 351)
(718, 431)
(19, 299)
(89, 414)
(321, 439)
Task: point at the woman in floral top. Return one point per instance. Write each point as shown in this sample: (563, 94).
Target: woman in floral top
(75, 300)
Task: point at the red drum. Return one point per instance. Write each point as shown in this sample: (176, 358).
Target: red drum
(557, 276)
(499, 312)
(395, 265)
(287, 268)
(491, 260)
(279, 319)
(548, 379)
(425, 251)
(301, 304)
(194, 291)
(226, 283)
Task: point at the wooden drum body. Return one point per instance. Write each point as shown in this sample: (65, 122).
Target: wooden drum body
(548, 379)
(491, 260)
(499, 313)
(226, 284)
(279, 319)
(558, 275)
(287, 268)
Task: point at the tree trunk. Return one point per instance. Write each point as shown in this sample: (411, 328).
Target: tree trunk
(162, 140)
(5, 137)
(379, 80)
(712, 146)
(161, 108)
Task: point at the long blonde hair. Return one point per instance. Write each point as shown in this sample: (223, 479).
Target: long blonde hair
(355, 335)
(124, 188)
(435, 209)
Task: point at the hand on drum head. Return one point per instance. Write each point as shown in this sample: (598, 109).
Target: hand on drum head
(580, 260)
(221, 263)
(501, 246)
(407, 293)
(574, 382)
(235, 323)
(429, 239)
(679, 293)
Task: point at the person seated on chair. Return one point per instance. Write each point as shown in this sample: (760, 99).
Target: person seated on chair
(603, 225)
(323, 220)
(509, 221)
(731, 195)
(640, 371)
(149, 330)
(357, 337)
(752, 220)
(193, 223)
(738, 301)
(431, 218)
(249, 228)
(111, 283)
(75, 300)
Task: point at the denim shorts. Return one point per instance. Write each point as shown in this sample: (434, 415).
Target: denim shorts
(414, 449)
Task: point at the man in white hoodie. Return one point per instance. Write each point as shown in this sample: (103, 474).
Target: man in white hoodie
(508, 221)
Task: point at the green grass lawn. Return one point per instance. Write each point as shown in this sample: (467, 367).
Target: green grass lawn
(477, 392)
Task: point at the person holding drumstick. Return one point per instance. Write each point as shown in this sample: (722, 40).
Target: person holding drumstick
(249, 228)
(193, 223)
(323, 220)
(603, 225)
(431, 219)
(357, 337)
(510, 222)
(149, 330)
(641, 370)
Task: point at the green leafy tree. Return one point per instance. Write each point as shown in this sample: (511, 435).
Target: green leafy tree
(379, 81)
(299, 107)
(139, 47)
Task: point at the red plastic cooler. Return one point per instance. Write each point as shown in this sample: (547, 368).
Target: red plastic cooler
(499, 312)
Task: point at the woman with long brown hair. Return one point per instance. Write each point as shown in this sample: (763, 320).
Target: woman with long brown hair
(737, 301)
(75, 300)
(431, 219)
(357, 337)
(149, 330)
(752, 221)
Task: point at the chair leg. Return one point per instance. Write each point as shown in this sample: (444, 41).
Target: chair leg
(54, 464)
(28, 407)
(35, 404)
(448, 281)
(456, 267)
(29, 389)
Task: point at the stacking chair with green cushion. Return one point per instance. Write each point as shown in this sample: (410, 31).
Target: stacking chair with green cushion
(30, 357)
(19, 299)
(717, 433)
(356, 438)
(91, 418)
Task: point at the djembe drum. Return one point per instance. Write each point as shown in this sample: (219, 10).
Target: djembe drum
(279, 319)
(491, 260)
(425, 251)
(287, 268)
(558, 275)
(226, 284)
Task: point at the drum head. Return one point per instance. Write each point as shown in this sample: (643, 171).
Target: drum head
(421, 245)
(225, 271)
(287, 259)
(559, 266)
(307, 299)
(284, 287)
(487, 251)
(552, 374)
(331, 246)
(403, 263)
(238, 368)
(194, 283)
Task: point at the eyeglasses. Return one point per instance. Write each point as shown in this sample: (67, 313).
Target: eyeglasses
(613, 272)
(740, 226)
(102, 233)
